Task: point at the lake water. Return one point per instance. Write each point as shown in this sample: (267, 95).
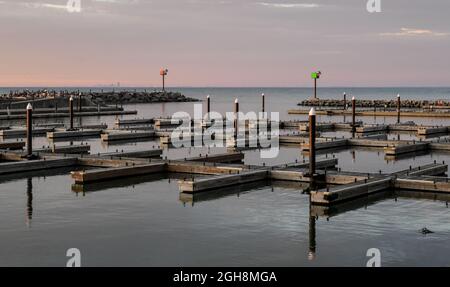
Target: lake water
(145, 222)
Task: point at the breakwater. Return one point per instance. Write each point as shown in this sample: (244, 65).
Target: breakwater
(48, 98)
(375, 103)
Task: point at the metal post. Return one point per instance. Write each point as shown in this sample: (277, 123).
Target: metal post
(263, 98)
(345, 100)
(398, 108)
(79, 102)
(312, 142)
(71, 112)
(315, 88)
(56, 101)
(163, 79)
(236, 121)
(353, 116)
(29, 130)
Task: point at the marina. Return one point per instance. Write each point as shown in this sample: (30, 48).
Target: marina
(413, 166)
(244, 136)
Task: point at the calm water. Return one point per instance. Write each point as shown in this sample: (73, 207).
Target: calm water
(145, 222)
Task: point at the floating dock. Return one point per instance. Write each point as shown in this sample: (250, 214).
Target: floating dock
(336, 112)
(126, 135)
(12, 145)
(368, 186)
(58, 134)
(22, 132)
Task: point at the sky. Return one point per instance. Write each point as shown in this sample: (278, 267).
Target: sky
(226, 43)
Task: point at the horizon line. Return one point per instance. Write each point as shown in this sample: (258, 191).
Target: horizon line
(219, 87)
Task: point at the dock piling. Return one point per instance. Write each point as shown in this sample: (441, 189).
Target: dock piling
(263, 99)
(29, 130)
(398, 108)
(236, 121)
(345, 100)
(312, 142)
(79, 102)
(353, 116)
(71, 112)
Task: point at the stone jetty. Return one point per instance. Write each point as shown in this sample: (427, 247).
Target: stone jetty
(127, 97)
(412, 104)
(48, 98)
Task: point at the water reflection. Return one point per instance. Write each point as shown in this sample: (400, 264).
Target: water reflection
(39, 173)
(215, 194)
(412, 155)
(29, 210)
(116, 183)
(340, 208)
(312, 238)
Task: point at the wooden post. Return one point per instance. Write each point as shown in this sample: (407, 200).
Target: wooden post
(208, 104)
(398, 108)
(345, 101)
(79, 102)
(353, 116)
(263, 98)
(29, 130)
(312, 142)
(56, 102)
(71, 112)
(236, 120)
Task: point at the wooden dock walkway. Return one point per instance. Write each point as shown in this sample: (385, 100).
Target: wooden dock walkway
(67, 149)
(22, 132)
(375, 184)
(58, 134)
(126, 135)
(12, 145)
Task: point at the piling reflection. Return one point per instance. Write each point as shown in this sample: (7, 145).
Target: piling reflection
(29, 209)
(312, 237)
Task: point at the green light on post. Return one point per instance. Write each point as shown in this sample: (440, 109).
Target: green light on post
(315, 75)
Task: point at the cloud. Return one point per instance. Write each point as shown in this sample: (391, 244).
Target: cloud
(407, 32)
(289, 5)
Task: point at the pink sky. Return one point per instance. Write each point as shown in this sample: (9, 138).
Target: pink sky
(224, 43)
